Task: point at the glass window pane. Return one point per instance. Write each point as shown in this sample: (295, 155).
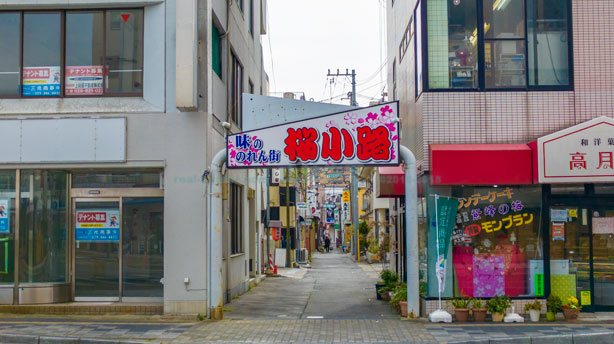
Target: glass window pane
(496, 243)
(43, 226)
(569, 251)
(548, 40)
(133, 179)
(7, 226)
(504, 19)
(505, 64)
(10, 26)
(124, 48)
(96, 260)
(42, 35)
(216, 49)
(452, 44)
(143, 246)
(84, 53)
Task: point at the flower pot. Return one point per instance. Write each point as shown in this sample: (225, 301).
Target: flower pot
(385, 296)
(571, 314)
(534, 314)
(461, 314)
(497, 317)
(479, 315)
(550, 316)
(403, 307)
(378, 286)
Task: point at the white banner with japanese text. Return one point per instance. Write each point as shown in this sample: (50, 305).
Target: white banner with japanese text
(365, 136)
(581, 154)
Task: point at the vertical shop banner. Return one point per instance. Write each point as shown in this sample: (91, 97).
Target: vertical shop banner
(442, 221)
(365, 136)
(83, 80)
(5, 213)
(99, 225)
(41, 81)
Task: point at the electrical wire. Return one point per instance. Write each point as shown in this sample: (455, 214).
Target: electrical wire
(270, 49)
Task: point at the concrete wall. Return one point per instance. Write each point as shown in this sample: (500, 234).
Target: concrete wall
(159, 135)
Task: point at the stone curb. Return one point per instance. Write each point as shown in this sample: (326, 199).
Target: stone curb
(30, 339)
(576, 338)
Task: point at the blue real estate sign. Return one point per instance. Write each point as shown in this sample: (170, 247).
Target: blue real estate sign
(97, 225)
(5, 211)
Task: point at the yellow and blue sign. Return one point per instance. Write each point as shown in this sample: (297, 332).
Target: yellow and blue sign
(97, 225)
(5, 215)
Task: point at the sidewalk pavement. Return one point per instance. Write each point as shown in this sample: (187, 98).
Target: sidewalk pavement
(71, 330)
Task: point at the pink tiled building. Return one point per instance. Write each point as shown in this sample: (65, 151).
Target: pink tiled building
(498, 94)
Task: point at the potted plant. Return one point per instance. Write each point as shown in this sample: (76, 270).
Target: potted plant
(399, 300)
(571, 309)
(385, 291)
(388, 278)
(461, 309)
(478, 310)
(497, 306)
(553, 306)
(534, 309)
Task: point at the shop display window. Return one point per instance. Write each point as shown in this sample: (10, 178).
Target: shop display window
(496, 243)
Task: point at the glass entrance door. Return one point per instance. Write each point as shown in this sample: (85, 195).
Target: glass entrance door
(97, 249)
(603, 256)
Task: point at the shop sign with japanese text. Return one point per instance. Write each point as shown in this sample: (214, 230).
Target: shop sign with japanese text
(581, 154)
(41, 81)
(83, 80)
(366, 136)
(97, 225)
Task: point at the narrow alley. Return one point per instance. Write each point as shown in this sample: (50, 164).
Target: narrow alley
(334, 288)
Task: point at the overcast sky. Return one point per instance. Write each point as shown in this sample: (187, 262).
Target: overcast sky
(308, 37)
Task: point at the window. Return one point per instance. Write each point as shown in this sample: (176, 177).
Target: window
(418, 47)
(37, 62)
(548, 43)
(43, 221)
(124, 60)
(236, 218)
(84, 53)
(236, 89)
(42, 54)
(216, 50)
(512, 44)
(10, 26)
(251, 86)
(394, 80)
(251, 17)
(496, 242)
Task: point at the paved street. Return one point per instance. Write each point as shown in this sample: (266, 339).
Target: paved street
(334, 288)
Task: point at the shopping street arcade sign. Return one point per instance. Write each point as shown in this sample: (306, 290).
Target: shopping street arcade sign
(358, 137)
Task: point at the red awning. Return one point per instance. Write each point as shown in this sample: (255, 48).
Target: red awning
(391, 182)
(481, 164)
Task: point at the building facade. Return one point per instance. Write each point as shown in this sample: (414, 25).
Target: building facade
(502, 104)
(112, 112)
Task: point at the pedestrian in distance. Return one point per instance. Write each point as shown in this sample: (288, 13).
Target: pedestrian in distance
(327, 244)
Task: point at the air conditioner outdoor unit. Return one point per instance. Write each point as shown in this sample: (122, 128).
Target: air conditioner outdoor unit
(303, 255)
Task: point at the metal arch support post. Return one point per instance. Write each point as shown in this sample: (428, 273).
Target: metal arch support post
(411, 232)
(215, 287)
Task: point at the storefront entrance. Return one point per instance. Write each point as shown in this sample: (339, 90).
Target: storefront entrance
(582, 250)
(117, 244)
(97, 249)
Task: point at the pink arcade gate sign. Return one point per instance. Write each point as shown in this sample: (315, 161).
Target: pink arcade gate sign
(365, 136)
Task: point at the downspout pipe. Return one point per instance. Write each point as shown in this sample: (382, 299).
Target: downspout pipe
(216, 297)
(411, 232)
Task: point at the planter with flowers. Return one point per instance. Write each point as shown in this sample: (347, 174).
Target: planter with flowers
(571, 309)
(553, 306)
(534, 309)
(478, 310)
(461, 309)
(497, 306)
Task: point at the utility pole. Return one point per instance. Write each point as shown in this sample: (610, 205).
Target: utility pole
(354, 181)
(353, 76)
(288, 217)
